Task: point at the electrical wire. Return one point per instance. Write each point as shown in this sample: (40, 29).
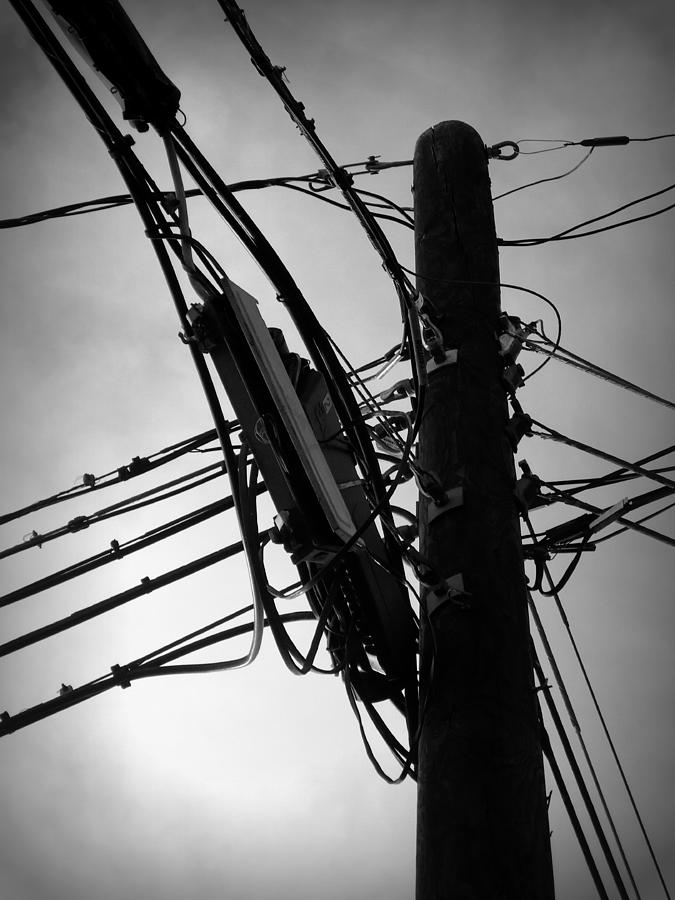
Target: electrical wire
(551, 434)
(118, 551)
(578, 362)
(147, 586)
(567, 233)
(530, 184)
(138, 466)
(124, 675)
(577, 727)
(602, 720)
(153, 495)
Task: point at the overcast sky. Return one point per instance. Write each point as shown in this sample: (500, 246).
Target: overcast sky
(255, 784)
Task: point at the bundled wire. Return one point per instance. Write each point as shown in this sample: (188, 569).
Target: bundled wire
(138, 466)
(153, 495)
(151, 665)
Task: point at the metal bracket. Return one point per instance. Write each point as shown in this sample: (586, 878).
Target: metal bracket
(449, 358)
(452, 590)
(454, 497)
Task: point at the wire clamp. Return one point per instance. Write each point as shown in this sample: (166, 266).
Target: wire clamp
(512, 334)
(79, 523)
(448, 358)
(121, 675)
(527, 487)
(398, 391)
(451, 590)
(495, 151)
(454, 498)
(512, 378)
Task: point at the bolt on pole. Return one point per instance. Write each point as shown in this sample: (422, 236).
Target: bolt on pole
(482, 830)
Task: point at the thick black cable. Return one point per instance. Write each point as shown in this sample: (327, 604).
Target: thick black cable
(147, 586)
(152, 495)
(118, 551)
(123, 676)
(138, 466)
(570, 500)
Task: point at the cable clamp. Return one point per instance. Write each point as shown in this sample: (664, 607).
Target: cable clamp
(398, 391)
(121, 675)
(115, 548)
(451, 590)
(527, 487)
(120, 147)
(448, 358)
(429, 484)
(518, 426)
(33, 538)
(79, 523)
(454, 498)
(202, 336)
(137, 466)
(511, 337)
(512, 378)
(495, 151)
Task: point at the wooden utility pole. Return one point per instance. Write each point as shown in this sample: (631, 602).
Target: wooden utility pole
(482, 830)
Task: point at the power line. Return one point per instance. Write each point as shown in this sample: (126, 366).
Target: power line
(147, 586)
(153, 495)
(567, 235)
(138, 466)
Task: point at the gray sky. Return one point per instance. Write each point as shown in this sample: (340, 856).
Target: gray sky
(255, 784)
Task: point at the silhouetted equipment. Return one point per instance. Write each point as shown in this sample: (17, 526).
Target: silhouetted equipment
(107, 38)
(290, 424)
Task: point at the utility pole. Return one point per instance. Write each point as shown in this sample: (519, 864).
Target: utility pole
(482, 831)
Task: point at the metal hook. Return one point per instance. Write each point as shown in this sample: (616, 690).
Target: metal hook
(495, 151)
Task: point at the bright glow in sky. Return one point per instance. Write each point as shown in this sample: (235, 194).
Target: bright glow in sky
(254, 784)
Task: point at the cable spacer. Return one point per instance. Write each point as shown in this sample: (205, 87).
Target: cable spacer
(495, 151)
